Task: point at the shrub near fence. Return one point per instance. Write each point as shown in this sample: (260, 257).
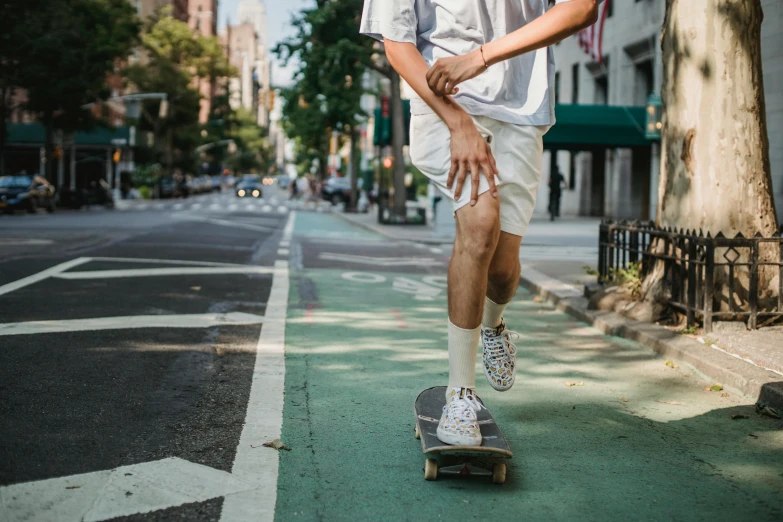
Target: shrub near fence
(706, 278)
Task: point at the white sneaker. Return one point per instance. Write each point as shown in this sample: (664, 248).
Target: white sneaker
(459, 423)
(499, 356)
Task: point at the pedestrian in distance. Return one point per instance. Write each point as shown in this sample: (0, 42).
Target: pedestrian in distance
(483, 77)
(556, 186)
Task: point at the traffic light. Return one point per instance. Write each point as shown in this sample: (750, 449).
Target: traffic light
(383, 127)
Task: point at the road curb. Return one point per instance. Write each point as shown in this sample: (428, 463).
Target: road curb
(378, 229)
(713, 364)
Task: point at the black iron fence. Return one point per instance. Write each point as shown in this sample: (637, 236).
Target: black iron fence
(707, 278)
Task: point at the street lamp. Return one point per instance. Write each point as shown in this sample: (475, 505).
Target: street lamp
(654, 117)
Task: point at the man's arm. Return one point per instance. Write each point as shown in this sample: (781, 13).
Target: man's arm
(561, 21)
(470, 153)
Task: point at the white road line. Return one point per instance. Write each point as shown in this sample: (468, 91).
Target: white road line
(129, 322)
(178, 206)
(224, 223)
(266, 208)
(380, 261)
(436, 250)
(282, 209)
(264, 418)
(9, 241)
(194, 206)
(49, 272)
(285, 243)
(161, 261)
(288, 230)
(174, 271)
(123, 491)
(282, 252)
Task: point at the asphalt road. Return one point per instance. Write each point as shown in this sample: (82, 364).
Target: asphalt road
(148, 353)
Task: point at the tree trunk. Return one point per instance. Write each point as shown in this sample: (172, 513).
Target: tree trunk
(4, 101)
(49, 146)
(354, 167)
(398, 141)
(715, 171)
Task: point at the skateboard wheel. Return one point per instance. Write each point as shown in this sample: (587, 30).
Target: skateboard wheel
(417, 432)
(499, 473)
(431, 469)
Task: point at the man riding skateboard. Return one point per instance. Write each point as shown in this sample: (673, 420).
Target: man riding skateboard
(484, 97)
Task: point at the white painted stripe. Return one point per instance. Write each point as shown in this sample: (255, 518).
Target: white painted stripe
(264, 418)
(129, 322)
(224, 223)
(266, 208)
(9, 241)
(102, 495)
(282, 208)
(154, 272)
(282, 252)
(285, 243)
(194, 206)
(49, 272)
(288, 230)
(161, 261)
(380, 261)
(178, 206)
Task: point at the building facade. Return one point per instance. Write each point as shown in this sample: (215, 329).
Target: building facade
(623, 182)
(254, 12)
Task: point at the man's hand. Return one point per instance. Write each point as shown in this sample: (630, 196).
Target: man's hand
(444, 76)
(470, 155)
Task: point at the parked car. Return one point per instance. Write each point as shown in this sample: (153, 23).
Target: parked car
(338, 190)
(249, 186)
(26, 192)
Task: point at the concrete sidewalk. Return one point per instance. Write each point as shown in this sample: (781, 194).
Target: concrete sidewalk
(555, 256)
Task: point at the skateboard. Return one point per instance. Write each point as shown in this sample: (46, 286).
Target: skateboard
(486, 460)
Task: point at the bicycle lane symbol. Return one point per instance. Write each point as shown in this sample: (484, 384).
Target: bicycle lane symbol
(429, 288)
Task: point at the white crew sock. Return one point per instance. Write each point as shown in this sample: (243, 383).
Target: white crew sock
(493, 313)
(463, 346)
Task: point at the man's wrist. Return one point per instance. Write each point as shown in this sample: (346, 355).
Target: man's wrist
(457, 120)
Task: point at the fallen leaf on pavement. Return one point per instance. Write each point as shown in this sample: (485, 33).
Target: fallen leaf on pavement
(623, 399)
(752, 435)
(569, 383)
(196, 288)
(673, 403)
(537, 299)
(671, 364)
(715, 387)
(466, 501)
(276, 444)
(72, 487)
(724, 394)
(739, 416)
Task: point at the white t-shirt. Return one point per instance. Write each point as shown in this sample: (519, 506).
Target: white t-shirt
(518, 91)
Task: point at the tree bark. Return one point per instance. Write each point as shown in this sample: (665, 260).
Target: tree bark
(354, 151)
(4, 101)
(398, 141)
(715, 171)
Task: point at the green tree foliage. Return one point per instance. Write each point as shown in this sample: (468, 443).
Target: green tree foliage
(332, 59)
(61, 52)
(173, 61)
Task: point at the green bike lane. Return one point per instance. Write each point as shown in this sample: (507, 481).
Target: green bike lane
(600, 427)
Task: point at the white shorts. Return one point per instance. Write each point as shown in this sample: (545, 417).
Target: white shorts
(518, 151)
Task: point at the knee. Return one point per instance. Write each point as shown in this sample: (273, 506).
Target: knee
(478, 232)
(504, 273)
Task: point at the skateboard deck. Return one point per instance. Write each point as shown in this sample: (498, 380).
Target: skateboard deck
(484, 460)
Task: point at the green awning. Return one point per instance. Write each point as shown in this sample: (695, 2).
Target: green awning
(35, 134)
(581, 127)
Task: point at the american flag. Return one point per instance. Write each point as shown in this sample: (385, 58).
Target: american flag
(591, 39)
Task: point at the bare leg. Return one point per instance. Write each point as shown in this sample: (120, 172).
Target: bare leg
(478, 231)
(504, 269)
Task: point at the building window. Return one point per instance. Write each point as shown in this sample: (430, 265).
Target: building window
(601, 92)
(575, 83)
(557, 87)
(643, 82)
